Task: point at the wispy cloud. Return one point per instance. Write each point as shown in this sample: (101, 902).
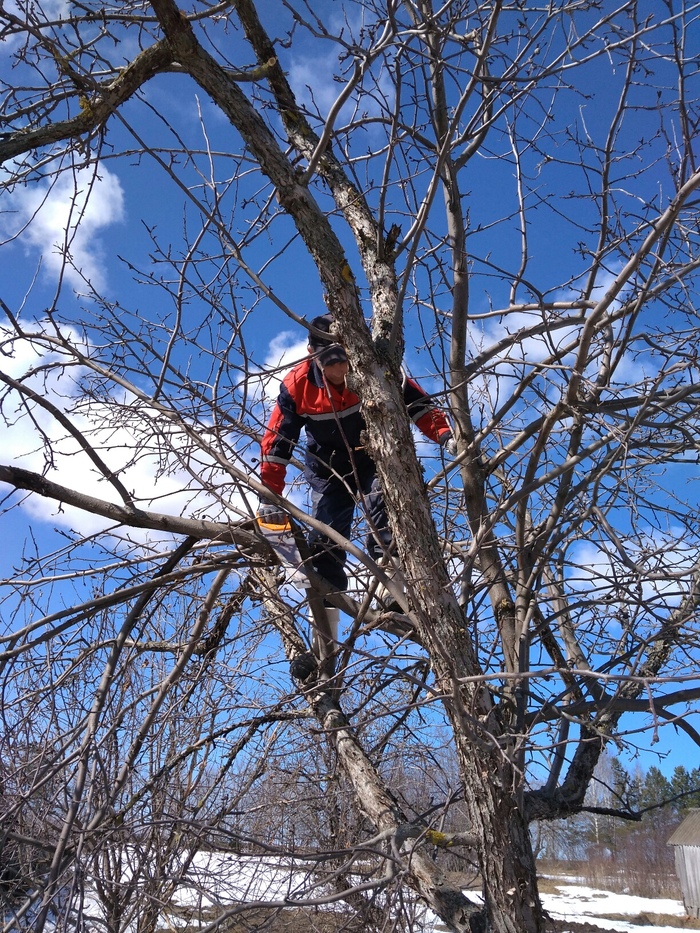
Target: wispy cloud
(313, 77)
(61, 221)
(51, 9)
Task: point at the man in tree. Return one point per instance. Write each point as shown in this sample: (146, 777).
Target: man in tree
(314, 396)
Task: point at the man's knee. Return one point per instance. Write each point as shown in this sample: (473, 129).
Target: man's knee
(379, 536)
(328, 560)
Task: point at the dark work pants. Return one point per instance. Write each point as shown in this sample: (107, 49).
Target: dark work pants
(336, 507)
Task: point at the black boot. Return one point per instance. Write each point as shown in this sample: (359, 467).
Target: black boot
(303, 667)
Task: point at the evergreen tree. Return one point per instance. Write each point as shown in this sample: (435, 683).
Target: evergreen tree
(655, 789)
(685, 789)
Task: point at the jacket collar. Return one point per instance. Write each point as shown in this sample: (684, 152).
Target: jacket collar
(315, 375)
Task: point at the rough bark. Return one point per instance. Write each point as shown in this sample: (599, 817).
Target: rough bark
(402, 838)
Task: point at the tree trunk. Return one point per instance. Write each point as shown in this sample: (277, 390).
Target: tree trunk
(492, 787)
(492, 783)
(374, 798)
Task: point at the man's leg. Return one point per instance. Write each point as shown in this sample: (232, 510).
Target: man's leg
(379, 539)
(335, 508)
(379, 535)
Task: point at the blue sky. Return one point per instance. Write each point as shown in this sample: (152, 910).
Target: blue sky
(136, 212)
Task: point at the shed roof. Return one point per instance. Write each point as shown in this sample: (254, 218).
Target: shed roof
(688, 833)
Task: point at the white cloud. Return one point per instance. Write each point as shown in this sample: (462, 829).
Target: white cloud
(664, 567)
(62, 220)
(312, 76)
(153, 458)
(52, 9)
(310, 81)
(521, 340)
(138, 466)
(285, 350)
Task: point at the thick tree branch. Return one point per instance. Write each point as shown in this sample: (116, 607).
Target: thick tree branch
(95, 109)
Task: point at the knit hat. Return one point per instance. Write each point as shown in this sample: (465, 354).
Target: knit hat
(325, 349)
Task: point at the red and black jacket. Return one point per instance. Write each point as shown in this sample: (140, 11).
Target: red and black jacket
(334, 424)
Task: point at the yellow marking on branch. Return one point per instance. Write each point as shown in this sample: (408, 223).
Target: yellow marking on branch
(436, 838)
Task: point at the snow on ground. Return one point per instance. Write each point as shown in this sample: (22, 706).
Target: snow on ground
(219, 880)
(582, 904)
(225, 879)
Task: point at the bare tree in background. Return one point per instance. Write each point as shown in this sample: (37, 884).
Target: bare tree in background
(509, 194)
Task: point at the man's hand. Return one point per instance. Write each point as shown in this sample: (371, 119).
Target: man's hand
(271, 514)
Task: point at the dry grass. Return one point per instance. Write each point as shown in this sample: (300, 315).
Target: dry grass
(657, 920)
(289, 920)
(608, 877)
(553, 886)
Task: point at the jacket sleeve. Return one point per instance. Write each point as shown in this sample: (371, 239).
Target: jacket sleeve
(280, 439)
(430, 420)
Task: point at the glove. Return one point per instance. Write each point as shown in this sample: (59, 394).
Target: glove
(450, 444)
(271, 514)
